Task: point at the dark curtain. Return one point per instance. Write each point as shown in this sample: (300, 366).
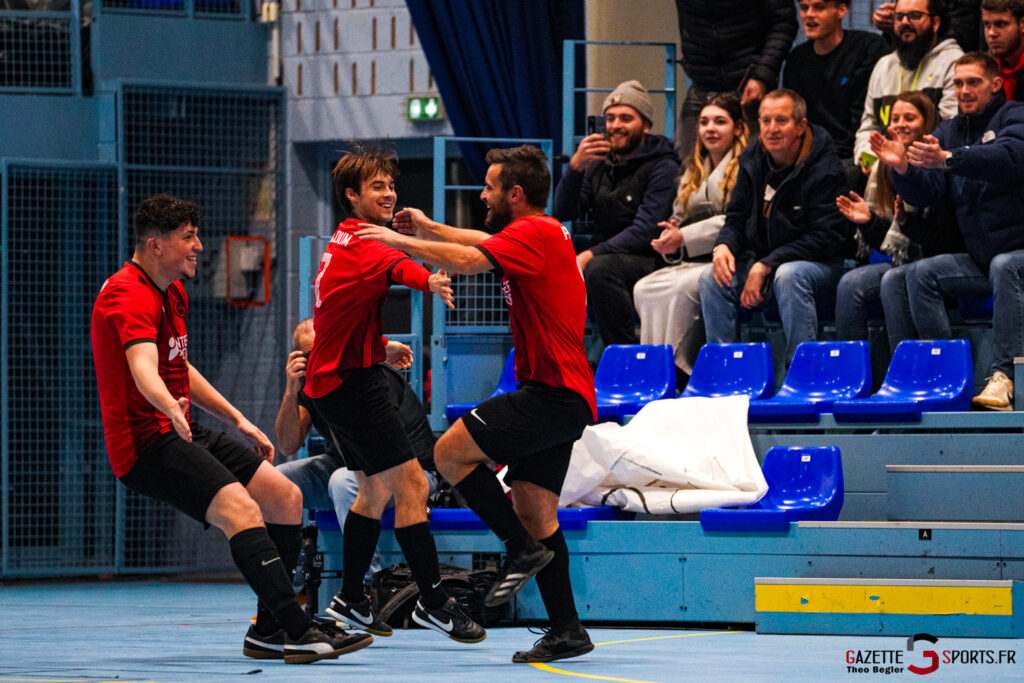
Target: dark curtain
(498, 65)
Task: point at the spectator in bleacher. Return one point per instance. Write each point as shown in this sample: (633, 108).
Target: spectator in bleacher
(831, 71)
(625, 180)
(783, 236)
(668, 300)
(1003, 21)
(964, 22)
(731, 46)
(902, 232)
(921, 61)
(976, 158)
(324, 480)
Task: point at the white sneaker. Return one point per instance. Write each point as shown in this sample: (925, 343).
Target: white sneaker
(998, 394)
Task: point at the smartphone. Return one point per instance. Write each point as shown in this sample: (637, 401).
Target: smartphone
(596, 124)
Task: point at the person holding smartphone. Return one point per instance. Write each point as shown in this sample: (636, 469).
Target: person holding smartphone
(623, 181)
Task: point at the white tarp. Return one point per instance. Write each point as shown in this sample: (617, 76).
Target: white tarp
(674, 456)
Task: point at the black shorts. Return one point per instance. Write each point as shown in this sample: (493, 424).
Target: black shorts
(187, 475)
(531, 431)
(363, 414)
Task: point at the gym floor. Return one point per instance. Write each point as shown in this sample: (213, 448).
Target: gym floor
(133, 631)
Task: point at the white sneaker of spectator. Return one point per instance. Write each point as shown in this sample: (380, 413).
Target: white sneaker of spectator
(998, 394)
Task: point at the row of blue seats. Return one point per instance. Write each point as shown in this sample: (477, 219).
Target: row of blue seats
(804, 483)
(824, 377)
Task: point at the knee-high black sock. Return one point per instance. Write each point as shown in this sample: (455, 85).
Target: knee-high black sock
(483, 493)
(555, 585)
(288, 539)
(420, 552)
(257, 558)
(359, 540)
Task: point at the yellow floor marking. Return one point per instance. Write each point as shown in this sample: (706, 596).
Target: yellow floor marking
(547, 667)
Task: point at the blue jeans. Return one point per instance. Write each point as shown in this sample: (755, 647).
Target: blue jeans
(899, 323)
(326, 486)
(931, 280)
(797, 288)
(857, 291)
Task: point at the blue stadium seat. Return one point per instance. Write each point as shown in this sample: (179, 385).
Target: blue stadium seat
(731, 369)
(975, 309)
(629, 376)
(821, 373)
(935, 375)
(464, 519)
(506, 384)
(804, 482)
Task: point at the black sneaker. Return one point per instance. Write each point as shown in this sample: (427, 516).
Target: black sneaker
(572, 641)
(358, 615)
(516, 571)
(263, 647)
(321, 641)
(450, 619)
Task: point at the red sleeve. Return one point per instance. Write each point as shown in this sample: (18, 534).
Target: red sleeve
(396, 266)
(130, 313)
(518, 249)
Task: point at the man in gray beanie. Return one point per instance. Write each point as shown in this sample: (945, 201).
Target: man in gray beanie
(625, 179)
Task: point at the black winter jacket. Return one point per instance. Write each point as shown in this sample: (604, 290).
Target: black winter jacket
(984, 178)
(804, 223)
(724, 42)
(625, 200)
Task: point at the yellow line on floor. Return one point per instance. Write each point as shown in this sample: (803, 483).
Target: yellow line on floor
(547, 667)
(681, 635)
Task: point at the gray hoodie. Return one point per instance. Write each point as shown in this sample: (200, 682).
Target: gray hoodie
(934, 76)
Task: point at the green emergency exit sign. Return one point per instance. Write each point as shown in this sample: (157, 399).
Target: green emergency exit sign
(423, 108)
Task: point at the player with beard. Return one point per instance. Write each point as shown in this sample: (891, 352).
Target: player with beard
(1003, 22)
(350, 391)
(532, 429)
(624, 181)
(921, 61)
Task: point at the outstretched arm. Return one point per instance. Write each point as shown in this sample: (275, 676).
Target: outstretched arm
(415, 222)
(458, 258)
(206, 397)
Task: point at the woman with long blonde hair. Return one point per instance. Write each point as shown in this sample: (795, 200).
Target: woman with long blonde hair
(668, 300)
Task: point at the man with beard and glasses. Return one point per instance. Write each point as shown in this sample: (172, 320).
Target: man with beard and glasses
(530, 430)
(920, 62)
(625, 179)
(1003, 21)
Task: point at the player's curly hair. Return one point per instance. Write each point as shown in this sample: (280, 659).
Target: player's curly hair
(163, 213)
(356, 167)
(525, 166)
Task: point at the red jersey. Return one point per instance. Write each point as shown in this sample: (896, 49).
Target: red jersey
(349, 292)
(547, 303)
(129, 309)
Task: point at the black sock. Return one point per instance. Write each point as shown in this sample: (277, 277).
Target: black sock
(257, 558)
(420, 552)
(288, 539)
(555, 585)
(359, 540)
(483, 494)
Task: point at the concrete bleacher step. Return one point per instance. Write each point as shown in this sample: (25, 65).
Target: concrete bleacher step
(892, 607)
(955, 493)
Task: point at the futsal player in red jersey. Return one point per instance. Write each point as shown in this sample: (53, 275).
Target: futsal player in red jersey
(147, 387)
(530, 430)
(349, 390)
